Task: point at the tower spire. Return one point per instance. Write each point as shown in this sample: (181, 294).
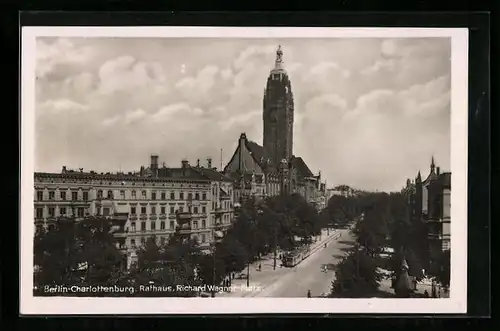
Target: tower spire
(433, 165)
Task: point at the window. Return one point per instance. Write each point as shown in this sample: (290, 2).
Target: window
(122, 194)
(162, 210)
(153, 226)
(62, 211)
(172, 195)
(39, 195)
(162, 225)
(153, 210)
(163, 196)
(105, 211)
(153, 195)
(133, 195)
(143, 226)
(86, 196)
(143, 210)
(63, 195)
(51, 212)
(132, 226)
(80, 212)
(195, 224)
(39, 213)
(99, 194)
(203, 238)
(195, 210)
(110, 194)
(197, 196)
(143, 194)
(132, 210)
(172, 225)
(172, 209)
(181, 209)
(204, 196)
(74, 196)
(132, 242)
(203, 209)
(51, 195)
(181, 196)
(190, 196)
(203, 224)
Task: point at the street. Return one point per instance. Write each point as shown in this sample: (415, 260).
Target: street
(308, 275)
(294, 282)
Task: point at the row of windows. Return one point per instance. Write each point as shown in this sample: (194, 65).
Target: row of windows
(154, 196)
(153, 227)
(133, 210)
(110, 195)
(63, 195)
(63, 211)
(203, 239)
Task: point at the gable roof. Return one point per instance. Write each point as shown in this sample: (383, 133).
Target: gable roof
(260, 155)
(302, 168)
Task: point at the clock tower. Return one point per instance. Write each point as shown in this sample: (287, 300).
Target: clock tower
(278, 113)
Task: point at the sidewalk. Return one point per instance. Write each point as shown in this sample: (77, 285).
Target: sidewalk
(267, 276)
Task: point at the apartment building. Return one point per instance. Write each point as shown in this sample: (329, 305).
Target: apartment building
(150, 201)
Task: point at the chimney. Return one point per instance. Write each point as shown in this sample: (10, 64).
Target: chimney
(154, 165)
(209, 163)
(185, 164)
(438, 170)
(64, 169)
(198, 163)
(141, 172)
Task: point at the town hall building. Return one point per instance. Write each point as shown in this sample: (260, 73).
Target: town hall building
(272, 168)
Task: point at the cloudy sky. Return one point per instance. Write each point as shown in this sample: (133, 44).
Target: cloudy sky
(368, 112)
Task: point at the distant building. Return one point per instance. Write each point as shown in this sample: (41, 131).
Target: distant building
(272, 169)
(430, 201)
(151, 201)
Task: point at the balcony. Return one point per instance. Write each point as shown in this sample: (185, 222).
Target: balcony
(143, 217)
(153, 217)
(163, 216)
(133, 217)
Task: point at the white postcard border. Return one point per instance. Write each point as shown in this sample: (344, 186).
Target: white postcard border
(456, 303)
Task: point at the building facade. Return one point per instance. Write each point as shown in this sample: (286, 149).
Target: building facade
(272, 168)
(152, 201)
(429, 200)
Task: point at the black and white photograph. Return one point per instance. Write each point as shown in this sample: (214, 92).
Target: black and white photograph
(164, 168)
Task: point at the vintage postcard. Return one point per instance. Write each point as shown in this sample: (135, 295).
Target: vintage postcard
(199, 170)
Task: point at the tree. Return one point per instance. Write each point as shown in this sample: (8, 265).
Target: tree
(356, 276)
(78, 253)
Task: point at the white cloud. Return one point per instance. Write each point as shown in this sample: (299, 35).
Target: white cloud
(126, 73)
(61, 51)
(60, 106)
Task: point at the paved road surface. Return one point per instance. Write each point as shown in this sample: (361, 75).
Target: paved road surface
(308, 274)
(267, 276)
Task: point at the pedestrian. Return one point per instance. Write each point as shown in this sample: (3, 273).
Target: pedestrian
(308, 293)
(233, 275)
(260, 267)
